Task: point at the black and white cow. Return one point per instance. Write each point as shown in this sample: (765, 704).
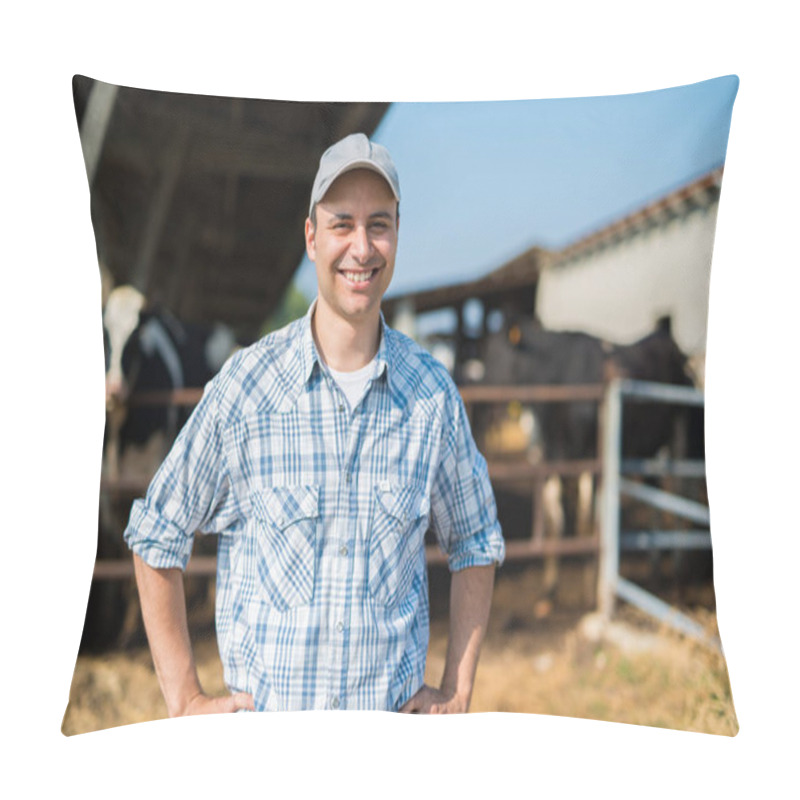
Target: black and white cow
(149, 350)
(146, 350)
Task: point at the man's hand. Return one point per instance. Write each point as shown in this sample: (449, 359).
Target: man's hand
(228, 704)
(434, 701)
(470, 599)
(164, 612)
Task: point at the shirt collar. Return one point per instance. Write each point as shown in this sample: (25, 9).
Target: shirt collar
(309, 355)
(308, 350)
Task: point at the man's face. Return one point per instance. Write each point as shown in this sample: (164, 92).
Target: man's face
(354, 243)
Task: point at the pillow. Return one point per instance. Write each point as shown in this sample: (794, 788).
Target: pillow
(559, 249)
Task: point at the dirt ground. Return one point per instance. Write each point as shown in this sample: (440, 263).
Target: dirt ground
(546, 658)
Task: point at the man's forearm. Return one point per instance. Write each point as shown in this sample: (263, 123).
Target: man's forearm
(470, 601)
(164, 611)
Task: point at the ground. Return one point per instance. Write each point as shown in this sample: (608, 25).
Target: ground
(534, 660)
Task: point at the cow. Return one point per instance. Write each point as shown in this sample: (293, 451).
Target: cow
(527, 353)
(147, 349)
(524, 352)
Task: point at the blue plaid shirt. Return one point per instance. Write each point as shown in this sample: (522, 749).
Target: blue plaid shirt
(322, 589)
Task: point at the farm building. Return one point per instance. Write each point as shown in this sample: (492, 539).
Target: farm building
(654, 263)
(200, 202)
(615, 283)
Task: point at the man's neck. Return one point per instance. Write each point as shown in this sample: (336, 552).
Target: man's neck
(345, 345)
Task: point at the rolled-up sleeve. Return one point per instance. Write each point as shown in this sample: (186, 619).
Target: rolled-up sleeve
(463, 508)
(190, 492)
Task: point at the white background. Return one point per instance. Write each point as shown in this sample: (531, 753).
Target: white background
(52, 385)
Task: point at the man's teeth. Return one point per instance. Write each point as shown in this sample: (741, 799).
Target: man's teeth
(358, 277)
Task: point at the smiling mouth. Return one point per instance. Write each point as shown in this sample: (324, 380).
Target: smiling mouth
(358, 278)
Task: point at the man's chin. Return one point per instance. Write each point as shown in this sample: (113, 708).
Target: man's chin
(360, 301)
(355, 309)
(362, 311)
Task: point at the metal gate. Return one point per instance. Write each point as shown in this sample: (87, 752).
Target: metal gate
(617, 482)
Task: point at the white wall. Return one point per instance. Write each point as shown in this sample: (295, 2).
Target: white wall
(619, 293)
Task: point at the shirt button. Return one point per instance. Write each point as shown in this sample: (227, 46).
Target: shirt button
(335, 702)
(341, 407)
(347, 477)
(340, 626)
(343, 550)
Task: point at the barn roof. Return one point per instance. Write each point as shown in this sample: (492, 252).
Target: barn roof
(522, 272)
(696, 194)
(200, 201)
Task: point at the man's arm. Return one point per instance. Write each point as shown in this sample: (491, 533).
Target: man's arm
(470, 601)
(164, 611)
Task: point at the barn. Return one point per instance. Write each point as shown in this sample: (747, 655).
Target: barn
(200, 202)
(614, 283)
(617, 282)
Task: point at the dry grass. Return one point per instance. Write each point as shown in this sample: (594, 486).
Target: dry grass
(678, 685)
(120, 688)
(528, 664)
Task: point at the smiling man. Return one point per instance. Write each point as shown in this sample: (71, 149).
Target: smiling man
(321, 455)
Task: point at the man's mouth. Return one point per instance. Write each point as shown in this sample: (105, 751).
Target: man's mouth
(360, 277)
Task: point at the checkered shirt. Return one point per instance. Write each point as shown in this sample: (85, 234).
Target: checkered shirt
(322, 588)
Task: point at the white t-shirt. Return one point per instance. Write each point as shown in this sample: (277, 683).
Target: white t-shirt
(353, 384)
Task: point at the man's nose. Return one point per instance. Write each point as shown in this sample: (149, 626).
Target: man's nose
(361, 246)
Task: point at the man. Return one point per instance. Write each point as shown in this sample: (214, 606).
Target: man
(321, 455)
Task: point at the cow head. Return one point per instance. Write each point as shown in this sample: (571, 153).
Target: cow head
(120, 319)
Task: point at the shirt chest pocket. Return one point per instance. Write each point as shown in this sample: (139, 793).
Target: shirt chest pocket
(286, 522)
(396, 543)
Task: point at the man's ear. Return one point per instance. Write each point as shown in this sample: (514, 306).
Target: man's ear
(311, 242)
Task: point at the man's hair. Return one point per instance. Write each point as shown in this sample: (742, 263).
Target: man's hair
(313, 215)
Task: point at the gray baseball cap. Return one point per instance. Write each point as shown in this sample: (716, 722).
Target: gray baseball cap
(353, 152)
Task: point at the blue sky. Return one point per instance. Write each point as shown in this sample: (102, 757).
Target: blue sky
(483, 181)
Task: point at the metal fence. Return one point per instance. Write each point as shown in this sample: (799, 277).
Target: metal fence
(617, 483)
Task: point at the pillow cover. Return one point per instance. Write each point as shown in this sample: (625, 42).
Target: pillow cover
(559, 249)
